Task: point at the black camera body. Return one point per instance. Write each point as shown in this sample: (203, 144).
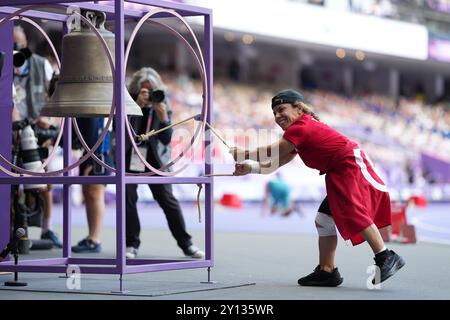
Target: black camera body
(157, 96)
(43, 134)
(20, 56)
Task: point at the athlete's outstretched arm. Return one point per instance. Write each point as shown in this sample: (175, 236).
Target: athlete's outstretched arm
(271, 166)
(285, 155)
(278, 149)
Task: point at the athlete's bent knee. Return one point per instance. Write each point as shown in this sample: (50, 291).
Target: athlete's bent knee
(325, 225)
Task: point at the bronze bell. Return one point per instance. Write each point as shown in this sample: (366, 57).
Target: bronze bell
(85, 86)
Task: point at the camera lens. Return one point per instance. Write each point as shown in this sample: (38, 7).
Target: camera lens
(31, 159)
(157, 96)
(20, 56)
(18, 59)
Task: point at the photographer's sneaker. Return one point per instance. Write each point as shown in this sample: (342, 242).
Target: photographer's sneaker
(321, 278)
(194, 252)
(87, 246)
(131, 253)
(50, 235)
(388, 264)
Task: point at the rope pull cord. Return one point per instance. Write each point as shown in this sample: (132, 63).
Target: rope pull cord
(198, 118)
(148, 135)
(200, 187)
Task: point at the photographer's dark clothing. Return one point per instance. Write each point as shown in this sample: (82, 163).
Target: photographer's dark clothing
(162, 193)
(159, 149)
(158, 154)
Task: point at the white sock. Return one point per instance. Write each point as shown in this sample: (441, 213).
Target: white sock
(384, 248)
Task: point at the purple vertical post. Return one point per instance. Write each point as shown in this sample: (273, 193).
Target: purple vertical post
(67, 207)
(209, 191)
(6, 45)
(119, 85)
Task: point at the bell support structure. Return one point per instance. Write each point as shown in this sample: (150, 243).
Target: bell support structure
(118, 265)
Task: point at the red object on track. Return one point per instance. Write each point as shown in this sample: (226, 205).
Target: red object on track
(398, 217)
(400, 230)
(231, 200)
(419, 201)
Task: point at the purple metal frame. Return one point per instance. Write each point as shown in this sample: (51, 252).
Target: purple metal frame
(119, 265)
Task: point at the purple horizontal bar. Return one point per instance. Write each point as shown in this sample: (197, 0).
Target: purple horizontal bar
(109, 9)
(96, 261)
(58, 269)
(133, 262)
(109, 261)
(181, 8)
(168, 266)
(163, 180)
(36, 14)
(128, 13)
(28, 2)
(103, 180)
(40, 262)
(59, 180)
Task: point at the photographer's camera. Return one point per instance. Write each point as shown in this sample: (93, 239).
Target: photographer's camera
(157, 96)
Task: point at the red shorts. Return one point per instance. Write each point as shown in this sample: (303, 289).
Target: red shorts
(357, 196)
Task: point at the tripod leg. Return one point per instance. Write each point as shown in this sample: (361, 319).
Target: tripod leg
(16, 282)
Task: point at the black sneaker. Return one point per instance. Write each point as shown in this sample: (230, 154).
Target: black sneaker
(87, 246)
(388, 266)
(321, 278)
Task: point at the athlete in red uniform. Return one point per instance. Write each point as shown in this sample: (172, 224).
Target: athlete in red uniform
(357, 201)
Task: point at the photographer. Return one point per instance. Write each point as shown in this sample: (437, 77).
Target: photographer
(147, 89)
(31, 80)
